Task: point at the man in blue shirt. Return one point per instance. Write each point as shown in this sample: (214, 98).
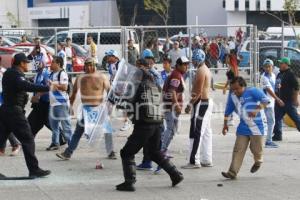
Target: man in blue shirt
(247, 103)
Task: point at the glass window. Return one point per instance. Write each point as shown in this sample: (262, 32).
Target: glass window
(94, 36)
(110, 38)
(269, 53)
(78, 38)
(292, 54)
(62, 37)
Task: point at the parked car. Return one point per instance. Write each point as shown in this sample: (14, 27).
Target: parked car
(7, 55)
(244, 53)
(274, 53)
(28, 48)
(6, 42)
(80, 55)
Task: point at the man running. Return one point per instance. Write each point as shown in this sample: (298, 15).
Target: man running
(92, 86)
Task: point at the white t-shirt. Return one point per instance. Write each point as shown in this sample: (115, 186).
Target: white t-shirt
(268, 81)
(62, 54)
(175, 54)
(68, 51)
(231, 45)
(59, 97)
(2, 70)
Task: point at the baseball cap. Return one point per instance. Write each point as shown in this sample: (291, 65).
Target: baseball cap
(20, 57)
(89, 60)
(182, 60)
(198, 56)
(112, 53)
(285, 60)
(268, 62)
(147, 54)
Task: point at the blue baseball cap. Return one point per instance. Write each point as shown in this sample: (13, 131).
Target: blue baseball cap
(112, 53)
(268, 62)
(198, 56)
(147, 54)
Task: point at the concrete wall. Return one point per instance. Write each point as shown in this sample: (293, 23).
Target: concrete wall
(12, 7)
(236, 18)
(104, 13)
(209, 13)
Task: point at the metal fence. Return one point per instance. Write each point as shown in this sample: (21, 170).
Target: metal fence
(162, 39)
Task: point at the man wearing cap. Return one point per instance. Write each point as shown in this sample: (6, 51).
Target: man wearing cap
(92, 85)
(287, 89)
(12, 117)
(200, 150)
(268, 85)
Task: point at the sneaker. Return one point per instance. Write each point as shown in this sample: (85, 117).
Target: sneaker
(255, 167)
(15, 150)
(207, 165)
(228, 175)
(191, 166)
(39, 173)
(145, 165)
(126, 126)
(64, 155)
(158, 170)
(271, 145)
(53, 147)
(2, 152)
(112, 156)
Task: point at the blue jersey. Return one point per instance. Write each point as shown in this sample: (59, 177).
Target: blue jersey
(245, 104)
(42, 78)
(164, 75)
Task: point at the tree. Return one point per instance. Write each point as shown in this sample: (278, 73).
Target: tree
(12, 19)
(160, 7)
(291, 7)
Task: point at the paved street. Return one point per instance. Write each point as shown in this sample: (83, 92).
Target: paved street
(279, 177)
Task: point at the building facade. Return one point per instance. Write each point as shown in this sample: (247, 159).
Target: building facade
(58, 13)
(236, 12)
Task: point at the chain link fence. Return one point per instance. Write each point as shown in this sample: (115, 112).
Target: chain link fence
(130, 42)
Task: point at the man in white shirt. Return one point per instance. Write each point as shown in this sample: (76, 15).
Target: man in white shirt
(59, 103)
(175, 53)
(69, 54)
(268, 80)
(61, 53)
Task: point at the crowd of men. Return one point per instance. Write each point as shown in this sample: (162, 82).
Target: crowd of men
(53, 100)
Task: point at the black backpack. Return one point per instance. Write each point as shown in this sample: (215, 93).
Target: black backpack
(149, 101)
(70, 83)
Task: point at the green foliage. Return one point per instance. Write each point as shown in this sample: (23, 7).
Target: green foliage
(160, 7)
(12, 19)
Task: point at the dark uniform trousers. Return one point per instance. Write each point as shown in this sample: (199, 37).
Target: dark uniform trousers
(144, 135)
(12, 119)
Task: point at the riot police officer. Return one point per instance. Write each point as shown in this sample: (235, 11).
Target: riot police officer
(12, 114)
(147, 120)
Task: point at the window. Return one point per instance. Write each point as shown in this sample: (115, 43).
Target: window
(293, 55)
(269, 53)
(94, 36)
(224, 4)
(247, 5)
(61, 37)
(236, 4)
(110, 38)
(78, 38)
(257, 5)
(136, 39)
(268, 4)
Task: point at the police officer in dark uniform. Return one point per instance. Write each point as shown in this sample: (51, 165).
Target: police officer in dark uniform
(12, 114)
(147, 132)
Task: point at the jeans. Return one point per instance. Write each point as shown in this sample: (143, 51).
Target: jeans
(12, 140)
(79, 130)
(60, 114)
(69, 68)
(168, 134)
(289, 109)
(270, 115)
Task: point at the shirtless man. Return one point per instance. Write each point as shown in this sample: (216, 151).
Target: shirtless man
(92, 86)
(200, 151)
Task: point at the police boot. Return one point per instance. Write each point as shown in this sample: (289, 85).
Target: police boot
(129, 171)
(175, 175)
